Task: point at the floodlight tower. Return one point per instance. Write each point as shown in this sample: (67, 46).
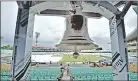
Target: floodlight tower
(37, 34)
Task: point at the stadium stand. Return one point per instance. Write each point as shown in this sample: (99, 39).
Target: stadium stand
(51, 74)
(96, 74)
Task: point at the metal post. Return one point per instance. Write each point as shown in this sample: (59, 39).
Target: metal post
(21, 57)
(119, 49)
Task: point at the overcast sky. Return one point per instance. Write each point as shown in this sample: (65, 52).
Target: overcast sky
(50, 34)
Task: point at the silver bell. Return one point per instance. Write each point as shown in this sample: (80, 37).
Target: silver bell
(76, 35)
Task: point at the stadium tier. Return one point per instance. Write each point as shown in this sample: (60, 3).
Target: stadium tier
(95, 74)
(47, 49)
(45, 74)
(51, 74)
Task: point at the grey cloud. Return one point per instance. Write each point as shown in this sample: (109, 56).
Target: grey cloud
(102, 41)
(130, 18)
(132, 22)
(46, 42)
(98, 27)
(8, 22)
(50, 28)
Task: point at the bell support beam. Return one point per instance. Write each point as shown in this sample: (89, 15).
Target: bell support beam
(136, 10)
(135, 3)
(66, 12)
(119, 49)
(126, 8)
(110, 7)
(120, 3)
(21, 58)
(106, 5)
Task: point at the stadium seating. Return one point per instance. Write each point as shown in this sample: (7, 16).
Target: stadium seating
(95, 74)
(51, 74)
(5, 75)
(45, 74)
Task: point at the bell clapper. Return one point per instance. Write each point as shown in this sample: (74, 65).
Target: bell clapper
(75, 54)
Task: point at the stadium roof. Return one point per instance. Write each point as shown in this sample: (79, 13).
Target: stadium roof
(133, 35)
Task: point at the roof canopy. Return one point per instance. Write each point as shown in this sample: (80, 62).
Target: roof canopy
(133, 35)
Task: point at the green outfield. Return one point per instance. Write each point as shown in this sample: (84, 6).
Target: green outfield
(81, 58)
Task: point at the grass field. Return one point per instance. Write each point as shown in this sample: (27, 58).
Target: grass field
(69, 58)
(81, 58)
